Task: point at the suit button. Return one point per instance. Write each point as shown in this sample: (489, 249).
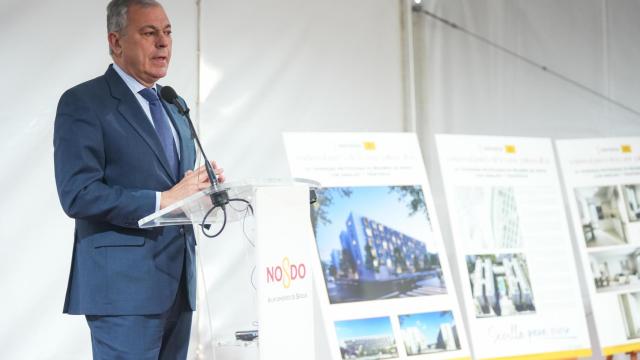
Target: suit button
(181, 230)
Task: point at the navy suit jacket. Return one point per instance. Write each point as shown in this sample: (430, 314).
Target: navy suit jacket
(109, 164)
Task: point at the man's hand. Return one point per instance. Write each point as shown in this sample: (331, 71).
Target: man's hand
(192, 182)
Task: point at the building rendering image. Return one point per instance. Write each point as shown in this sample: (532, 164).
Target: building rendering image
(488, 218)
(429, 332)
(375, 261)
(500, 285)
(376, 243)
(505, 220)
(617, 269)
(366, 339)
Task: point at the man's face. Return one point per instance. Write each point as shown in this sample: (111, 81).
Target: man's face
(143, 50)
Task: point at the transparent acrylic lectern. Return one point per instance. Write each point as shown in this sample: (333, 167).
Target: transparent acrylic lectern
(192, 209)
(246, 310)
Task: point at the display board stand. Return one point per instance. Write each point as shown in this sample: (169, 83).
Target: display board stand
(513, 248)
(381, 272)
(602, 180)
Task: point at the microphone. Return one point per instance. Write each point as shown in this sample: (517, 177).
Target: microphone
(218, 197)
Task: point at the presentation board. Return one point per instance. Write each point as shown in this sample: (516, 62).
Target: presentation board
(380, 270)
(513, 247)
(602, 179)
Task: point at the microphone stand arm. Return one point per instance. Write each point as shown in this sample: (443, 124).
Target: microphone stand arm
(219, 197)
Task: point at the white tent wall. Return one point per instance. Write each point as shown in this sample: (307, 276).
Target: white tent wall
(286, 65)
(267, 67)
(471, 87)
(465, 86)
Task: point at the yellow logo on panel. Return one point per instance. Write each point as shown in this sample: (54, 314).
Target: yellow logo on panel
(510, 149)
(625, 148)
(369, 145)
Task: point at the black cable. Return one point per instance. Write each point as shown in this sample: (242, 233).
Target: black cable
(244, 230)
(544, 68)
(204, 226)
(253, 271)
(244, 221)
(244, 201)
(204, 220)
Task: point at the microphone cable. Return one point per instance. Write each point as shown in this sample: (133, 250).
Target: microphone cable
(205, 227)
(219, 197)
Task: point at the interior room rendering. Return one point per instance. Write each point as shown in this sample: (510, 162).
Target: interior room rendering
(616, 269)
(630, 307)
(631, 196)
(602, 214)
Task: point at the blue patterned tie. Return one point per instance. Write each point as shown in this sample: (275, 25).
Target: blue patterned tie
(161, 123)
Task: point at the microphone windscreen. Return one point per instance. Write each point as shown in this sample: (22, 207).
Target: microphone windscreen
(168, 94)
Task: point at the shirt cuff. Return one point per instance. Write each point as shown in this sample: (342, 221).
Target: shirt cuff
(158, 195)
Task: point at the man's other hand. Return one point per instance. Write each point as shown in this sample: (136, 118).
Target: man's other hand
(218, 171)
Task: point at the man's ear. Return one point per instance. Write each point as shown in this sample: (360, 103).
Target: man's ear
(114, 44)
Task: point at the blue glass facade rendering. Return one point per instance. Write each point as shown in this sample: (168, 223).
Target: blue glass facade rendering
(378, 252)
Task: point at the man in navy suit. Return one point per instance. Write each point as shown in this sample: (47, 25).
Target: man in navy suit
(121, 153)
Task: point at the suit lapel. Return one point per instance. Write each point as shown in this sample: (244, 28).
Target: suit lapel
(130, 109)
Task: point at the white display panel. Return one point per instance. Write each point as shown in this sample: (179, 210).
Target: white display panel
(602, 179)
(285, 292)
(382, 276)
(513, 247)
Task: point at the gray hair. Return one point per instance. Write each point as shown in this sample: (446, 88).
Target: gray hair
(117, 14)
